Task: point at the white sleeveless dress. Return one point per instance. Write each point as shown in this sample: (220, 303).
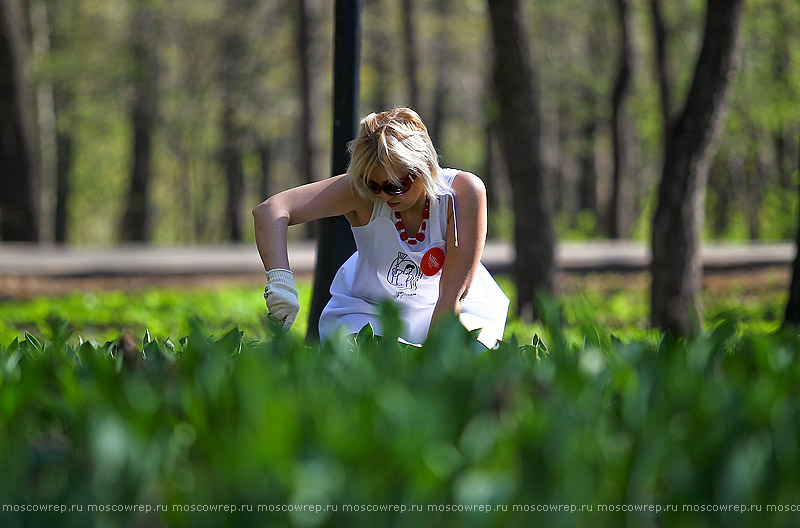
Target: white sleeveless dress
(384, 266)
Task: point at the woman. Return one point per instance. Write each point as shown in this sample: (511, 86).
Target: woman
(419, 232)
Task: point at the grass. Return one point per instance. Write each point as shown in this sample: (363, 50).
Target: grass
(709, 421)
(617, 303)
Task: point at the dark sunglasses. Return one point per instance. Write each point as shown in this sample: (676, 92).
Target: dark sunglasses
(392, 189)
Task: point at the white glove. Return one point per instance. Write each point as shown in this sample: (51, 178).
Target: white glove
(282, 300)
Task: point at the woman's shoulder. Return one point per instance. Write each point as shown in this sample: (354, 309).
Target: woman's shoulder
(467, 186)
(464, 181)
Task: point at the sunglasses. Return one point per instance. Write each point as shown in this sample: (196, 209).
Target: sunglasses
(392, 189)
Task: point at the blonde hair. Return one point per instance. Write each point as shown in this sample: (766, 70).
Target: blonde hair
(398, 141)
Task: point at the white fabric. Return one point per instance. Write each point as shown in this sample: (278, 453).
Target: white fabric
(384, 266)
(281, 297)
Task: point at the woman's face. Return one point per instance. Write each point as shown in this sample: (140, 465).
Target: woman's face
(399, 202)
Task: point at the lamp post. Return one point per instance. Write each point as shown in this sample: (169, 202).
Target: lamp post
(335, 241)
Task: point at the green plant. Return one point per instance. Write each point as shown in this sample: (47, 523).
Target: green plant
(366, 420)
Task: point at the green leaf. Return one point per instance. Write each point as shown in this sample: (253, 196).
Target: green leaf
(34, 342)
(365, 334)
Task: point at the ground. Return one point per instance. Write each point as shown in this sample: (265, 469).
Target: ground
(758, 281)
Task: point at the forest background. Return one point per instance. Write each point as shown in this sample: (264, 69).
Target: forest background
(235, 100)
(163, 122)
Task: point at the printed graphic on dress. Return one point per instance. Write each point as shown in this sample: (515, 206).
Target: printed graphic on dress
(403, 273)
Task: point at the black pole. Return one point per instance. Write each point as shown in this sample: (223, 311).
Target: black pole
(335, 241)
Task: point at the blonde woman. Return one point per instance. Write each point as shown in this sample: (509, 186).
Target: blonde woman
(419, 232)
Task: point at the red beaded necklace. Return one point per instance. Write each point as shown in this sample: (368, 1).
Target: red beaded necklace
(420, 236)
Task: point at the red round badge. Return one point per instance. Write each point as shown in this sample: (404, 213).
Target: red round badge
(432, 261)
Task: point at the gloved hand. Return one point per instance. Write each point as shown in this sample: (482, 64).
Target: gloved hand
(282, 300)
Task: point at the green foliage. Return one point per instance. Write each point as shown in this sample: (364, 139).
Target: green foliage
(368, 420)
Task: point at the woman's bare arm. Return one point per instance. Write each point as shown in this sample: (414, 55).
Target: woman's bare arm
(461, 262)
(330, 197)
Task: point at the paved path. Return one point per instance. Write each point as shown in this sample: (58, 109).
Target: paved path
(134, 260)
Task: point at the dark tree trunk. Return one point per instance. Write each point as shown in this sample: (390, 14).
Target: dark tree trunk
(411, 53)
(62, 103)
(489, 175)
(677, 222)
(64, 164)
(136, 221)
(779, 144)
(378, 54)
(663, 74)
(520, 125)
(782, 62)
(587, 176)
(232, 79)
(587, 185)
(265, 158)
(442, 57)
(720, 183)
(234, 173)
(309, 146)
(619, 205)
(755, 181)
(792, 314)
(18, 212)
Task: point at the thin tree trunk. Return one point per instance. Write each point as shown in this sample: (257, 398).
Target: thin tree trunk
(411, 53)
(46, 117)
(587, 185)
(587, 177)
(234, 173)
(309, 145)
(618, 213)
(755, 181)
(489, 174)
(136, 221)
(64, 146)
(520, 125)
(792, 313)
(442, 57)
(663, 74)
(677, 222)
(720, 183)
(18, 213)
(62, 103)
(378, 54)
(265, 159)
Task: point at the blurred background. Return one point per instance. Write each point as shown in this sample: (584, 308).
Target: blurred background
(167, 121)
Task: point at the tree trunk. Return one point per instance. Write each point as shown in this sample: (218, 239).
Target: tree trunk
(63, 167)
(520, 125)
(307, 16)
(677, 222)
(62, 103)
(587, 185)
(378, 55)
(663, 74)
(618, 213)
(136, 221)
(265, 158)
(46, 120)
(411, 54)
(720, 183)
(232, 79)
(587, 167)
(18, 213)
(234, 173)
(442, 57)
(792, 313)
(755, 181)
